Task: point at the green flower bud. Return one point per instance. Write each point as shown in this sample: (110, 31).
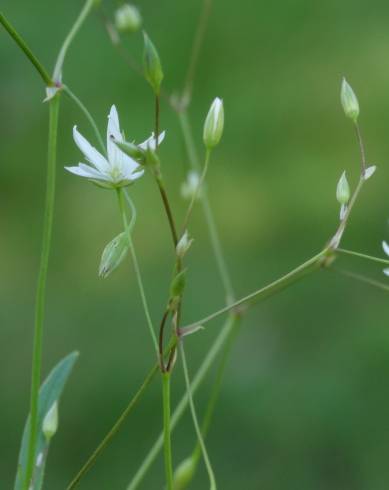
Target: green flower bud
(183, 474)
(152, 65)
(178, 284)
(113, 254)
(214, 123)
(343, 190)
(50, 422)
(349, 101)
(128, 18)
(131, 150)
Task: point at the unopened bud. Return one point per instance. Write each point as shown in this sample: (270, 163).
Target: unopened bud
(113, 254)
(132, 150)
(183, 245)
(349, 101)
(178, 284)
(128, 18)
(369, 172)
(183, 474)
(50, 422)
(343, 190)
(189, 187)
(214, 123)
(152, 65)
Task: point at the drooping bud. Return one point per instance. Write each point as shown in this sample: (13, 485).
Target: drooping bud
(214, 123)
(189, 187)
(349, 101)
(128, 18)
(183, 474)
(113, 254)
(50, 422)
(183, 245)
(152, 65)
(343, 190)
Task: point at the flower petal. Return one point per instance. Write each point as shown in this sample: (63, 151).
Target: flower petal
(150, 142)
(385, 246)
(90, 152)
(86, 171)
(113, 132)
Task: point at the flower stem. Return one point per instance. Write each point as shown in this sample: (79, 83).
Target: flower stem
(87, 114)
(200, 440)
(210, 221)
(196, 193)
(137, 269)
(27, 51)
(113, 431)
(41, 288)
(69, 38)
(361, 278)
(363, 256)
(168, 210)
(166, 429)
(268, 290)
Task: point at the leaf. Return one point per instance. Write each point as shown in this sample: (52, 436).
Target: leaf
(49, 393)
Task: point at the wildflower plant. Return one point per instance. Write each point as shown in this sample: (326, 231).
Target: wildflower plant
(115, 166)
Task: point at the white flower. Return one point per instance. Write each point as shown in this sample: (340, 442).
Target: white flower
(385, 246)
(118, 169)
(150, 143)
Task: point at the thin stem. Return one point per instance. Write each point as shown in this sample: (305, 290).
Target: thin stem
(363, 256)
(200, 439)
(137, 270)
(113, 431)
(69, 38)
(361, 148)
(88, 115)
(196, 48)
(360, 277)
(268, 290)
(210, 221)
(196, 192)
(41, 288)
(27, 51)
(166, 430)
(168, 210)
(216, 388)
(157, 116)
(213, 352)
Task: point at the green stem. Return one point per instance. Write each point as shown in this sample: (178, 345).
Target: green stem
(69, 38)
(137, 269)
(268, 290)
(166, 430)
(181, 407)
(88, 115)
(363, 256)
(210, 221)
(168, 210)
(215, 391)
(200, 439)
(197, 191)
(113, 431)
(27, 51)
(359, 277)
(41, 288)
(361, 148)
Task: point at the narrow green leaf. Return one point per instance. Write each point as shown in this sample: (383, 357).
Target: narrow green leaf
(49, 393)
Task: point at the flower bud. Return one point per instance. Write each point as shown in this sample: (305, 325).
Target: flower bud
(349, 101)
(214, 123)
(113, 254)
(183, 245)
(128, 18)
(178, 284)
(343, 190)
(369, 171)
(189, 187)
(152, 65)
(50, 422)
(183, 474)
(132, 150)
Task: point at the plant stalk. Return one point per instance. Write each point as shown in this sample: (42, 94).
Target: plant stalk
(167, 449)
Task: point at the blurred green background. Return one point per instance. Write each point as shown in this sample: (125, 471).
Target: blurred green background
(305, 401)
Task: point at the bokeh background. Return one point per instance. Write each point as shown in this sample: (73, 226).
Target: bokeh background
(305, 400)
